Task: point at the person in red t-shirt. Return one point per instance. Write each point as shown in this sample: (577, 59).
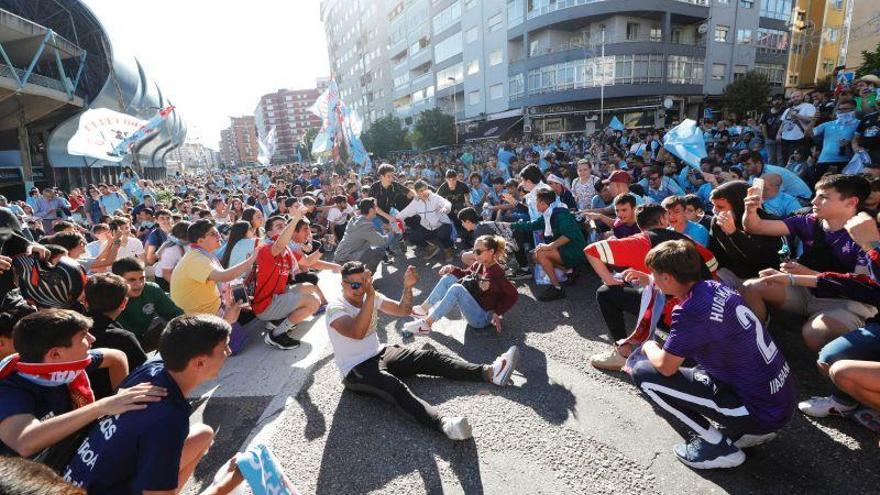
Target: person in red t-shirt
(274, 297)
(615, 297)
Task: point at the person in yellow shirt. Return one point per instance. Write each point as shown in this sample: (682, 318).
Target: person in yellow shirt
(195, 279)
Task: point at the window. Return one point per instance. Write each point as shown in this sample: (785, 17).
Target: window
(447, 48)
(827, 67)
(468, 4)
(770, 40)
(514, 12)
(746, 4)
(832, 35)
(721, 33)
(632, 31)
(495, 22)
(719, 71)
(495, 58)
(656, 34)
(739, 71)
(453, 72)
(447, 17)
(496, 91)
(776, 9)
(474, 98)
(775, 73)
(473, 67)
(517, 87)
(472, 35)
(401, 80)
(744, 36)
(837, 4)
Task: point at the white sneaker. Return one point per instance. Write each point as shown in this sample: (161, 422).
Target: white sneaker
(821, 407)
(418, 326)
(456, 428)
(609, 360)
(420, 310)
(504, 365)
(748, 440)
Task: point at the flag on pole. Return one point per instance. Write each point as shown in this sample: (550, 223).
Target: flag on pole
(340, 126)
(267, 148)
(686, 142)
(106, 134)
(615, 123)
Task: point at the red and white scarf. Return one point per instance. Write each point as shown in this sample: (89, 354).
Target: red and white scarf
(72, 374)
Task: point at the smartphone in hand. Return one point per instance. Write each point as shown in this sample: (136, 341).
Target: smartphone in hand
(758, 184)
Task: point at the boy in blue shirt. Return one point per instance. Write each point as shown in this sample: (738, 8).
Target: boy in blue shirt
(155, 448)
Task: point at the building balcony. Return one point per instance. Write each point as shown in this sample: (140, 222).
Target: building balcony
(544, 7)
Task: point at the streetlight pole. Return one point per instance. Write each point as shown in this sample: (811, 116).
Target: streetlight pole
(602, 88)
(454, 109)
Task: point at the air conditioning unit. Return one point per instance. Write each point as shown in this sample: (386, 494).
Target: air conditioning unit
(591, 117)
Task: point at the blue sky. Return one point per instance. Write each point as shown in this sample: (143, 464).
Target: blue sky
(215, 59)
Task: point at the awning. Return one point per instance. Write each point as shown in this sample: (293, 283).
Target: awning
(490, 129)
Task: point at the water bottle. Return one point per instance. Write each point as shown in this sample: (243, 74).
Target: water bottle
(487, 213)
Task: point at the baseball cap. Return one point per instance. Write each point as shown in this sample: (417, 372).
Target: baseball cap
(618, 176)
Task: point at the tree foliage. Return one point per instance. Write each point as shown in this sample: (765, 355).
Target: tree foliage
(747, 94)
(308, 139)
(870, 62)
(385, 135)
(434, 128)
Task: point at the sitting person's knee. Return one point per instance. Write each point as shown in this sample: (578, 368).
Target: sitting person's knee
(641, 371)
(201, 436)
(841, 373)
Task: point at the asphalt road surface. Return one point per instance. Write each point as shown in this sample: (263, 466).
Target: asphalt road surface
(561, 427)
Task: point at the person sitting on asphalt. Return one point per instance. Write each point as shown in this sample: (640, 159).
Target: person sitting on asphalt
(106, 297)
(470, 221)
(563, 244)
(624, 223)
(45, 396)
(741, 381)
(274, 298)
(615, 297)
(827, 247)
(481, 292)
(677, 221)
(148, 309)
(361, 241)
(740, 255)
(170, 253)
(369, 367)
(435, 227)
(859, 345)
(155, 449)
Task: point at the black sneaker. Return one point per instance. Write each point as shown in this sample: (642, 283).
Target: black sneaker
(283, 341)
(571, 279)
(552, 294)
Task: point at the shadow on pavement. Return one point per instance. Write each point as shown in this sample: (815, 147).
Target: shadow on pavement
(370, 444)
(316, 425)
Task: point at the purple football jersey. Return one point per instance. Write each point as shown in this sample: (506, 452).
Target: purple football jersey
(714, 327)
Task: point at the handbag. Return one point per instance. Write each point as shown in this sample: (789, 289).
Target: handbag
(471, 282)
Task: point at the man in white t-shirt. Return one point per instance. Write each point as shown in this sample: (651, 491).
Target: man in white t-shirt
(368, 366)
(795, 120)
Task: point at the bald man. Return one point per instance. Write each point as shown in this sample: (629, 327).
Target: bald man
(777, 202)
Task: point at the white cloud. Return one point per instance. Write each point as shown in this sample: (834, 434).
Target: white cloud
(214, 59)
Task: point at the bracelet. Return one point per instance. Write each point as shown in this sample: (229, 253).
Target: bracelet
(791, 279)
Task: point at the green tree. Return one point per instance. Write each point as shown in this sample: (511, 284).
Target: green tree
(746, 95)
(308, 139)
(871, 62)
(384, 135)
(434, 128)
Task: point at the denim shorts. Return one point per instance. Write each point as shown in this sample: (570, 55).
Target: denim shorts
(861, 344)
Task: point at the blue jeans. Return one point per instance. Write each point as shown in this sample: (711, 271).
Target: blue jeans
(861, 344)
(447, 294)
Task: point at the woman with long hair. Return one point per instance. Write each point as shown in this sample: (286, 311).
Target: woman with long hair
(481, 292)
(240, 245)
(255, 217)
(740, 255)
(236, 208)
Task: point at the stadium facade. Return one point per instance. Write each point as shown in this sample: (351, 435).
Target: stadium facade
(58, 61)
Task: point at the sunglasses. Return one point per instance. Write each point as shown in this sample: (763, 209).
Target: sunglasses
(354, 285)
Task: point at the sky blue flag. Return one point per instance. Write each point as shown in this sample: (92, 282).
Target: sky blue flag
(686, 142)
(615, 123)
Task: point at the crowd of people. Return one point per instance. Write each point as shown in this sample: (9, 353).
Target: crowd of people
(118, 299)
